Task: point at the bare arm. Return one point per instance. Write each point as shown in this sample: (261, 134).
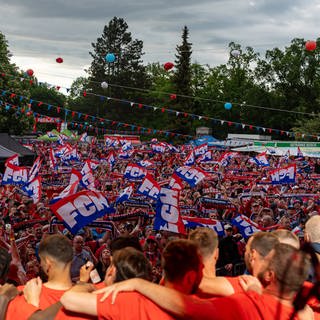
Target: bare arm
(80, 299)
(218, 286)
(83, 302)
(46, 314)
(178, 304)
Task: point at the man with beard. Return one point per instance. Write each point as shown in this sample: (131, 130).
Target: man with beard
(257, 248)
(282, 274)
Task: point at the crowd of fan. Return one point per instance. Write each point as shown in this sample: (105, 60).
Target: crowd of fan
(53, 268)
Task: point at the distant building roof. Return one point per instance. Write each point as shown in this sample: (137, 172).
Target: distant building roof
(8, 145)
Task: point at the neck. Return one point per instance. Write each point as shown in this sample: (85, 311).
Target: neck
(209, 270)
(176, 286)
(59, 279)
(283, 298)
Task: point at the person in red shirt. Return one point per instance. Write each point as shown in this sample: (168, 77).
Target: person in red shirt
(257, 248)
(56, 254)
(283, 276)
(182, 268)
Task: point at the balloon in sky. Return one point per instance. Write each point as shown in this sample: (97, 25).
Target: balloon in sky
(311, 45)
(30, 72)
(173, 96)
(104, 85)
(235, 53)
(227, 105)
(59, 60)
(168, 65)
(110, 57)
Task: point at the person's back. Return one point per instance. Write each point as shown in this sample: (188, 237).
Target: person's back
(283, 274)
(56, 254)
(182, 270)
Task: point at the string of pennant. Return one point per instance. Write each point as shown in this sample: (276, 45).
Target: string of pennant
(168, 110)
(171, 95)
(86, 126)
(102, 121)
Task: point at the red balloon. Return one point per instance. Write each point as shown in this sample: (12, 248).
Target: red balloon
(311, 45)
(59, 60)
(168, 65)
(173, 96)
(30, 72)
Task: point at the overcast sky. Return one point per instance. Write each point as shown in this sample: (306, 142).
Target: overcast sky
(40, 31)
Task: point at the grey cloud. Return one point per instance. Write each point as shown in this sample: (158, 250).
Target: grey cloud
(46, 28)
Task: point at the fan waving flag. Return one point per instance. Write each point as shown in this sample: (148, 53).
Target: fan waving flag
(125, 194)
(13, 160)
(200, 150)
(134, 172)
(261, 160)
(78, 210)
(33, 172)
(226, 157)
(195, 222)
(15, 175)
(205, 157)
(246, 226)
(167, 212)
(145, 163)
(189, 160)
(284, 175)
(149, 187)
(175, 182)
(299, 153)
(52, 160)
(33, 189)
(72, 188)
(111, 159)
(160, 147)
(191, 175)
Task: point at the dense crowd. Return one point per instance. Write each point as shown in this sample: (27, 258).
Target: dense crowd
(56, 271)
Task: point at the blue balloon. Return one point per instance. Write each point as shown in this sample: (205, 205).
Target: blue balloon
(227, 105)
(110, 57)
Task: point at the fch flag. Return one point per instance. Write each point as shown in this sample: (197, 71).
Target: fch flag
(261, 160)
(167, 212)
(191, 175)
(125, 195)
(77, 210)
(284, 175)
(149, 187)
(190, 159)
(33, 189)
(134, 172)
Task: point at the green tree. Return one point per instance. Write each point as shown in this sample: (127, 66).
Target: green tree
(126, 71)
(182, 84)
(49, 97)
(15, 117)
(292, 75)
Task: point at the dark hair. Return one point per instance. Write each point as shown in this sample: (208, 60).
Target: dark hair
(131, 263)
(179, 257)
(290, 266)
(206, 240)
(123, 242)
(263, 242)
(58, 247)
(5, 259)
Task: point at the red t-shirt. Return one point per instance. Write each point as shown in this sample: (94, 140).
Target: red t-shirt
(130, 305)
(234, 281)
(241, 306)
(313, 302)
(19, 309)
